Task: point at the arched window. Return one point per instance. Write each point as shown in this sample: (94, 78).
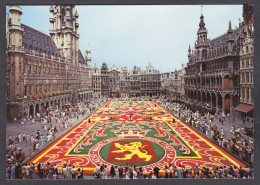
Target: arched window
(204, 53)
(198, 54)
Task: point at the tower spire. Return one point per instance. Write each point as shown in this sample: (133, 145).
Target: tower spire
(189, 54)
(229, 26)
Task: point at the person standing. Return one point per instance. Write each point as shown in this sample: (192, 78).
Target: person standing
(13, 171)
(73, 172)
(105, 171)
(42, 170)
(81, 172)
(166, 172)
(116, 172)
(135, 174)
(102, 173)
(120, 170)
(65, 172)
(78, 173)
(179, 172)
(170, 170)
(241, 172)
(112, 171)
(126, 168)
(156, 171)
(244, 119)
(42, 139)
(184, 171)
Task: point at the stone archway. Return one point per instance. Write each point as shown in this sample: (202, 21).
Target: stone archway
(219, 98)
(227, 103)
(37, 108)
(31, 111)
(203, 97)
(208, 97)
(235, 100)
(213, 95)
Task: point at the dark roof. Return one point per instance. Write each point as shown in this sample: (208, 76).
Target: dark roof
(33, 39)
(81, 58)
(222, 39)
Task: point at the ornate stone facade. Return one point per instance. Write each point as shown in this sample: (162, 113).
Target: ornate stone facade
(212, 72)
(104, 80)
(172, 83)
(116, 82)
(246, 62)
(150, 81)
(125, 83)
(96, 82)
(219, 72)
(42, 70)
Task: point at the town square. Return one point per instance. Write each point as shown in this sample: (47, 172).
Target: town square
(69, 117)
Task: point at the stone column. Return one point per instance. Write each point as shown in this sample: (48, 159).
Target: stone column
(211, 101)
(250, 95)
(201, 97)
(231, 103)
(216, 102)
(28, 111)
(222, 78)
(34, 110)
(40, 106)
(223, 104)
(60, 104)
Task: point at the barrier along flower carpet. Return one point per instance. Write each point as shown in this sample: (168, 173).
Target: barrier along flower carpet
(141, 133)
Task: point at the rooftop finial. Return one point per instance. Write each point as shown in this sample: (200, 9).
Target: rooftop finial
(202, 24)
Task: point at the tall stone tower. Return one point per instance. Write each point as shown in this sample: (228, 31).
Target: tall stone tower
(202, 43)
(15, 61)
(64, 31)
(248, 14)
(88, 57)
(15, 55)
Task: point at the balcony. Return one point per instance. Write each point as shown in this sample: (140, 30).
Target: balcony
(16, 49)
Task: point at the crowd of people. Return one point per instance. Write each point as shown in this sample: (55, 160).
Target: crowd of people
(171, 171)
(56, 121)
(233, 140)
(50, 123)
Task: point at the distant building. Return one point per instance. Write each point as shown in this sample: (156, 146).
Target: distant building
(125, 83)
(165, 83)
(150, 81)
(172, 83)
(135, 79)
(96, 82)
(114, 82)
(104, 80)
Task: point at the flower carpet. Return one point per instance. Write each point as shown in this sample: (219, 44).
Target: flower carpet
(141, 133)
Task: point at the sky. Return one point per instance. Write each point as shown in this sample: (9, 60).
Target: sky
(128, 35)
